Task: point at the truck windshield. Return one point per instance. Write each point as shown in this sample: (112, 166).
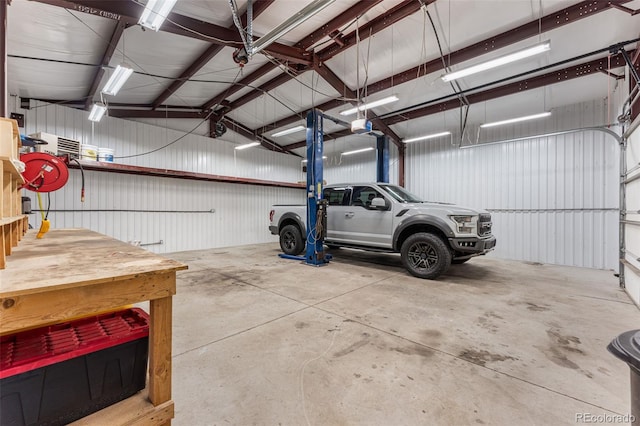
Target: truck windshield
(400, 194)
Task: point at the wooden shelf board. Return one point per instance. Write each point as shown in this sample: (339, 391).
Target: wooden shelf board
(178, 174)
(136, 410)
(11, 168)
(10, 220)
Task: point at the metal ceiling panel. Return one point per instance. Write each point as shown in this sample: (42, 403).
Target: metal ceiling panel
(35, 79)
(209, 11)
(43, 31)
(221, 68)
(256, 83)
(157, 53)
(139, 89)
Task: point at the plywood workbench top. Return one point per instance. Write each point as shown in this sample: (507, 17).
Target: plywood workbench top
(68, 258)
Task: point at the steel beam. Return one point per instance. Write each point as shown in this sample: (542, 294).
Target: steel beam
(294, 118)
(332, 136)
(269, 85)
(250, 134)
(335, 82)
(259, 6)
(547, 23)
(336, 23)
(106, 58)
(143, 113)
(216, 100)
(559, 76)
(397, 13)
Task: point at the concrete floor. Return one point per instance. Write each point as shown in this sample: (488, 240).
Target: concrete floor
(266, 341)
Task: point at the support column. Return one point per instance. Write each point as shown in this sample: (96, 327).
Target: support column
(4, 111)
(382, 159)
(315, 141)
(401, 155)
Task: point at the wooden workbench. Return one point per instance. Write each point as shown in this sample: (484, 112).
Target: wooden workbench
(77, 272)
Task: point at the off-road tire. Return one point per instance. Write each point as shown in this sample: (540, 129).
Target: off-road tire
(291, 241)
(425, 255)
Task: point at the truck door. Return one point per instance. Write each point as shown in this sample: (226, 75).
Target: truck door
(338, 199)
(364, 225)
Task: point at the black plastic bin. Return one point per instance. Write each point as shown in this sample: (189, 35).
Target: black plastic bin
(60, 373)
(627, 347)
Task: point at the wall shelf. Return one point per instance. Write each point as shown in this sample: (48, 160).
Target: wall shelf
(13, 225)
(178, 174)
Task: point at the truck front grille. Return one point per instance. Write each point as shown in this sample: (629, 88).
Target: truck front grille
(484, 224)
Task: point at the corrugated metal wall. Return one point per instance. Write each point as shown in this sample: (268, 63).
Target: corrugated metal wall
(241, 211)
(632, 231)
(359, 167)
(554, 200)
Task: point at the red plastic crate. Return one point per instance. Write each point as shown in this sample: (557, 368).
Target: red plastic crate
(57, 374)
(28, 350)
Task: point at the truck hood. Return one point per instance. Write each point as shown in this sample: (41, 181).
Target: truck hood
(447, 208)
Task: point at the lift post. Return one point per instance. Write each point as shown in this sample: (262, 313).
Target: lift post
(316, 206)
(382, 158)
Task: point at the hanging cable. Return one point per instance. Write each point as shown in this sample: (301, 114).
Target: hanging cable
(82, 175)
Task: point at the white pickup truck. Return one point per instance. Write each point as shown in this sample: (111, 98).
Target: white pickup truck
(386, 218)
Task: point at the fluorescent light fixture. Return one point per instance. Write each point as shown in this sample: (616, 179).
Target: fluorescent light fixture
(248, 145)
(324, 157)
(515, 120)
(97, 111)
(425, 137)
(288, 131)
(506, 59)
(155, 12)
(358, 151)
(297, 19)
(117, 79)
(370, 105)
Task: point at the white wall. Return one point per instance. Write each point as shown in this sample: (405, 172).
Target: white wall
(241, 211)
(553, 200)
(632, 232)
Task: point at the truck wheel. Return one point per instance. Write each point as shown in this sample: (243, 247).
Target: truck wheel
(425, 255)
(291, 241)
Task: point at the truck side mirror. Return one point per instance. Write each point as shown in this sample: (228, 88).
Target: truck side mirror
(378, 203)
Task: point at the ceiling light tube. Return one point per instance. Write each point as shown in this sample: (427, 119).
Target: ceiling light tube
(357, 151)
(155, 12)
(288, 131)
(515, 120)
(97, 111)
(425, 137)
(120, 75)
(506, 59)
(248, 145)
(297, 19)
(370, 105)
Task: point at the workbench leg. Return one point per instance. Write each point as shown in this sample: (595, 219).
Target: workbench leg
(160, 351)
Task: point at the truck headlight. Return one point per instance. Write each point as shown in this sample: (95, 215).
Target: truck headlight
(465, 224)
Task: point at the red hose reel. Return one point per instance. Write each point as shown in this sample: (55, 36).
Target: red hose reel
(44, 172)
